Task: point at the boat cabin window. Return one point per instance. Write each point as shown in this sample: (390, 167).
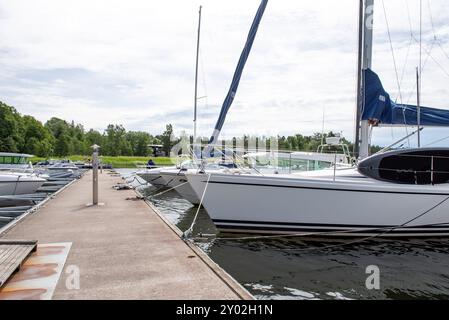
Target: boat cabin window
(12, 160)
(415, 169)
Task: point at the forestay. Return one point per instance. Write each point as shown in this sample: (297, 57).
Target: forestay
(238, 73)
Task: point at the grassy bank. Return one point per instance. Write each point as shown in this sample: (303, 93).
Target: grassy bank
(117, 162)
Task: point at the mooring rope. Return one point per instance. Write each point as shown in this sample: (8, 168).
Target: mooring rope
(135, 178)
(186, 233)
(168, 190)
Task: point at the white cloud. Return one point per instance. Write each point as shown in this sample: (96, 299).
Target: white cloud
(132, 62)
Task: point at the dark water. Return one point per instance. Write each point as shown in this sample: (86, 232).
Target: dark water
(292, 268)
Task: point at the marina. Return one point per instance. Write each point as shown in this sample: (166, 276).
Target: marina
(237, 152)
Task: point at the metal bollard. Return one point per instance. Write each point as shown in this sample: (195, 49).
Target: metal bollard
(95, 175)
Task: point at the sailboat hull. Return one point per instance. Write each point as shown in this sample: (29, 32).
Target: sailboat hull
(154, 176)
(178, 181)
(351, 207)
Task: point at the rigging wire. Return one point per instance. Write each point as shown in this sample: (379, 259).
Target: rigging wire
(434, 31)
(392, 51)
(437, 141)
(432, 24)
(435, 41)
(428, 52)
(429, 55)
(410, 41)
(405, 66)
(442, 49)
(398, 81)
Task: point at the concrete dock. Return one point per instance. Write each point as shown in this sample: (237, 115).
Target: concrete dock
(123, 249)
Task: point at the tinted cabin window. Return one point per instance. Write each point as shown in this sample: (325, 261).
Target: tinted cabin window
(8, 160)
(415, 169)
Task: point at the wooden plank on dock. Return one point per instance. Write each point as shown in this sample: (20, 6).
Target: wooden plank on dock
(12, 255)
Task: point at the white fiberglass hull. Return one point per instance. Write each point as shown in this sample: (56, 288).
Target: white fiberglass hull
(153, 176)
(355, 206)
(176, 179)
(16, 184)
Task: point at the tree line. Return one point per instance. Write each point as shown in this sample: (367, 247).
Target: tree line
(57, 137)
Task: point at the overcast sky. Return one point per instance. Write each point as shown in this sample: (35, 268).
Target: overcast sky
(132, 62)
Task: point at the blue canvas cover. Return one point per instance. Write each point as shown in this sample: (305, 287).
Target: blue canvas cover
(379, 109)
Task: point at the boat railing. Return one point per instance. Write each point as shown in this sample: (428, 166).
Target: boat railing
(281, 161)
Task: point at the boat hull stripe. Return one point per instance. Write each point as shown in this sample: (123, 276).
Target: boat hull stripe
(326, 189)
(343, 230)
(324, 225)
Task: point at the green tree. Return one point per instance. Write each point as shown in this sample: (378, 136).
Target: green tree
(115, 143)
(10, 129)
(139, 142)
(38, 139)
(60, 130)
(62, 146)
(92, 137)
(167, 139)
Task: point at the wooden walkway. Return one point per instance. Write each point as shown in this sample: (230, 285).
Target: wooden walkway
(122, 249)
(12, 256)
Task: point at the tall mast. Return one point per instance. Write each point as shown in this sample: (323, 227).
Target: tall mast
(196, 76)
(418, 76)
(418, 109)
(365, 61)
(358, 113)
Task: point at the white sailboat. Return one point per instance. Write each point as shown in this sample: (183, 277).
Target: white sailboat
(173, 177)
(176, 179)
(407, 198)
(154, 176)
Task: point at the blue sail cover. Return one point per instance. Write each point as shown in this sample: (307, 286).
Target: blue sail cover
(378, 107)
(238, 73)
